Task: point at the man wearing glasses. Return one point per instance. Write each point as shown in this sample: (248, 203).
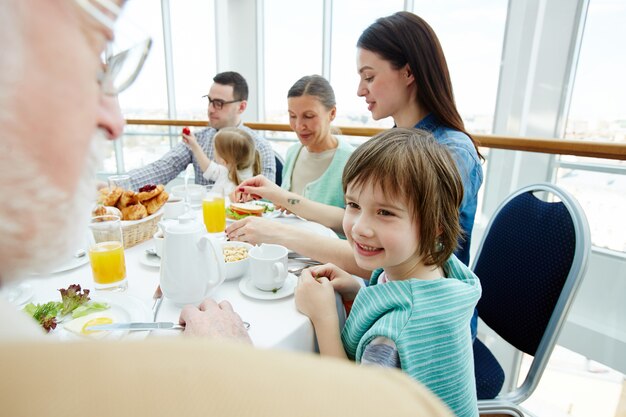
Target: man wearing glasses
(227, 100)
(53, 52)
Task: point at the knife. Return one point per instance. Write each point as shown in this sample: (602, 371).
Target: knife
(161, 325)
(164, 325)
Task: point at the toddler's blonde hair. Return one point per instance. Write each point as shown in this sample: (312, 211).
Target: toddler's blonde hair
(237, 148)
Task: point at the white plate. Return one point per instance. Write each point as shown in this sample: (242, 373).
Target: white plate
(123, 308)
(150, 260)
(18, 294)
(247, 288)
(68, 265)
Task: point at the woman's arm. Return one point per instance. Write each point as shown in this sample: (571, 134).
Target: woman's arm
(257, 230)
(261, 187)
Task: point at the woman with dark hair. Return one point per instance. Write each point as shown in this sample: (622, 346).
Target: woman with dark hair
(404, 75)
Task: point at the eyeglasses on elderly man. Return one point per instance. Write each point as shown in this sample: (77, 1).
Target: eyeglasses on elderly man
(122, 63)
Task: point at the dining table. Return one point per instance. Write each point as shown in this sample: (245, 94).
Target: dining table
(274, 320)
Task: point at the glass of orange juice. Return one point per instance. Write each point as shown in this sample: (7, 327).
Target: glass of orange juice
(214, 212)
(106, 253)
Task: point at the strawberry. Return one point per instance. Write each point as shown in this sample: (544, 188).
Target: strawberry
(186, 131)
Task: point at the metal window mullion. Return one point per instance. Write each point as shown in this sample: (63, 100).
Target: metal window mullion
(169, 65)
(260, 57)
(118, 149)
(327, 27)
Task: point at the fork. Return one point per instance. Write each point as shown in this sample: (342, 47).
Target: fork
(158, 299)
(298, 271)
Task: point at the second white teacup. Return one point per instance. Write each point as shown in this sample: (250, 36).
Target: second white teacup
(174, 207)
(268, 266)
(158, 243)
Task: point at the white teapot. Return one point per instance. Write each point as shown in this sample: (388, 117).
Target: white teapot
(192, 265)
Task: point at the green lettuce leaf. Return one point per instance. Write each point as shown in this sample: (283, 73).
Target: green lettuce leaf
(88, 308)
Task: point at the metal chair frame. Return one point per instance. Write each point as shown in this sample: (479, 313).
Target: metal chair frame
(509, 402)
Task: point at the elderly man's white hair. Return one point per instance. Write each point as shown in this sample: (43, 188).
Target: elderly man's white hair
(39, 222)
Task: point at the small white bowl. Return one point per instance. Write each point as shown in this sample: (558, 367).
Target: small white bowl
(236, 269)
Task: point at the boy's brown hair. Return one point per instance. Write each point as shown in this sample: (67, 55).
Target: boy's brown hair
(237, 147)
(409, 164)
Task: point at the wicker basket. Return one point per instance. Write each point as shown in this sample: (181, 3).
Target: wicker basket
(138, 231)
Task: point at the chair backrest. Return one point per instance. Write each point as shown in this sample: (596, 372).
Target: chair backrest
(530, 264)
(280, 162)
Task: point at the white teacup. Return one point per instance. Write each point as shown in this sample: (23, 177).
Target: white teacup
(158, 243)
(268, 266)
(174, 207)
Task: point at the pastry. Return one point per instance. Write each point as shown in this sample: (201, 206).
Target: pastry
(134, 212)
(128, 198)
(111, 198)
(155, 203)
(149, 191)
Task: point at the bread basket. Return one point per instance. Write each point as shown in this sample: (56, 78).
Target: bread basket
(137, 231)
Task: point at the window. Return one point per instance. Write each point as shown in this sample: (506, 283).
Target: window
(598, 112)
(350, 19)
(193, 44)
(293, 49)
(193, 49)
(471, 35)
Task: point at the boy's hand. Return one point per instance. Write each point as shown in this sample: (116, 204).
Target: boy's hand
(344, 283)
(316, 299)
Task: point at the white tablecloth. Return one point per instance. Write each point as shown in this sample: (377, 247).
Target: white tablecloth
(274, 323)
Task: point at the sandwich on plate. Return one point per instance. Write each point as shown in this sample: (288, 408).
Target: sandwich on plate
(238, 211)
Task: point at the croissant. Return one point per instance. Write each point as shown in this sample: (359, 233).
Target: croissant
(101, 210)
(134, 212)
(102, 194)
(146, 192)
(111, 198)
(128, 198)
(156, 203)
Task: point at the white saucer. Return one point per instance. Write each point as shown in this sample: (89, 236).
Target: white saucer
(247, 288)
(150, 260)
(18, 294)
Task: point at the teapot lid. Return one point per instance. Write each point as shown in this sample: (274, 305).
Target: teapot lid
(186, 223)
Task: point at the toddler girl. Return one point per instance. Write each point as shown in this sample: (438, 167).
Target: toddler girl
(402, 192)
(236, 158)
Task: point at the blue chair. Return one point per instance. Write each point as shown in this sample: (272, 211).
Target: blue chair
(280, 162)
(530, 263)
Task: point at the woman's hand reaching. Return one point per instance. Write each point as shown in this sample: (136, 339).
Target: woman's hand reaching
(257, 230)
(260, 187)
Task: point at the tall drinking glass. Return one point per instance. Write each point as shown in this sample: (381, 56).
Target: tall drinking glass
(121, 181)
(214, 212)
(106, 253)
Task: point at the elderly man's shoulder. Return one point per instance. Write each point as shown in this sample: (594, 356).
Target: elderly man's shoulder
(194, 377)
